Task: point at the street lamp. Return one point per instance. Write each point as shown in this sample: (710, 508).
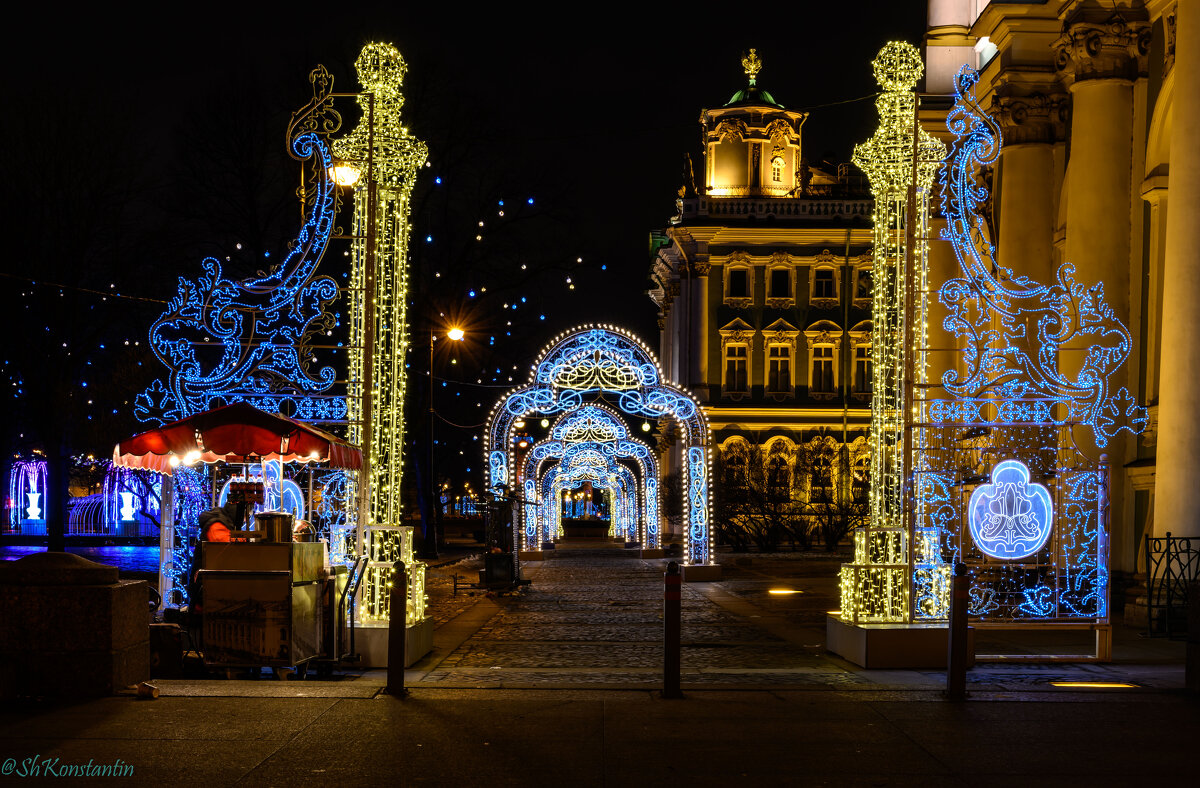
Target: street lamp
(431, 545)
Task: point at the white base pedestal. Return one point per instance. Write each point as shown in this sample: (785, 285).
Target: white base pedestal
(701, 573)
(531, 555)
(371, 640)
(892, 646)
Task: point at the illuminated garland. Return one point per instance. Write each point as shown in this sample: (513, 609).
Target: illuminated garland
(591, 360)
(386, 158)
(899, 157)
(27, 491)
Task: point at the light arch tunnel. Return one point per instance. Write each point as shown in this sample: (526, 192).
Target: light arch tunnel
(586, 378)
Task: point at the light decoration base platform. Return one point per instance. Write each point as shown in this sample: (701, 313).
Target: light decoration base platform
(892, 646)
(701, 573)
(371, 641)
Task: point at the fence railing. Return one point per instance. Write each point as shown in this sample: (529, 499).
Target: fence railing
(1172, 565)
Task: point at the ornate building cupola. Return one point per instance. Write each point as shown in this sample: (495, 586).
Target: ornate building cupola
(752, 143)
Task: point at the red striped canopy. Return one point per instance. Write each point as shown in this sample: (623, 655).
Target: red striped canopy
(235, 433)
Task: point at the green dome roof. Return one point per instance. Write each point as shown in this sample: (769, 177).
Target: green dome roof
(753, 96)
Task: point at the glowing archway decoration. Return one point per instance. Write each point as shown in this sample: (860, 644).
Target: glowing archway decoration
(599, 427)
(606, 360)
(588, 461)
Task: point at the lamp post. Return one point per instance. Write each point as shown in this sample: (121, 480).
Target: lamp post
(430, 546)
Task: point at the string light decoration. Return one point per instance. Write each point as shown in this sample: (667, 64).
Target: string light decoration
(386, 157)
(900, 161)
(1007, 467)
(251, 340)
(592, 360)
(595, 427)
(27, 493)
(385, 545)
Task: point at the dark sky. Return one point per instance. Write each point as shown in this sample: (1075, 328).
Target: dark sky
(587, 108)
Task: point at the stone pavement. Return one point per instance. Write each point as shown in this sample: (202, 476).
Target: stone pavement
(594, 618)
(555, 686)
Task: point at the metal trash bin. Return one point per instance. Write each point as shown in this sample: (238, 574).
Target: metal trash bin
(274, 526)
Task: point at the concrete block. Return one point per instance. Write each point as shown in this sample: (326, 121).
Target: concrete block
(892, 646)
(701, 573)
(531, 555)
(371, 641)
(656, 552)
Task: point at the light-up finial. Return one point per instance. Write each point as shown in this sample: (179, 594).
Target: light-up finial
(897, 66)
(380, 69)
(752, 65)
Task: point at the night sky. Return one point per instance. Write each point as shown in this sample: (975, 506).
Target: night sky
(586, 109)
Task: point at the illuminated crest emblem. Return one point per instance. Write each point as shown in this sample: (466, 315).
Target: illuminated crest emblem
(1011, 517)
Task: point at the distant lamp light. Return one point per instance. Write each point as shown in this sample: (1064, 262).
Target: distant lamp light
(456, 334)
(344, 174)
(545, 423)
(519, 425)
(645, 426)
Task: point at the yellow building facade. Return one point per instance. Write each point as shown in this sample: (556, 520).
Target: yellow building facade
(763, 286)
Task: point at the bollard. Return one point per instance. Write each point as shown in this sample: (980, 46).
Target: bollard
(1191, 672)
(956, 648)
(398, 617)
(672, 611)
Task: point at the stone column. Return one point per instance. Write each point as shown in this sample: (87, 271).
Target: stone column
(1099, 58)
(1030, 125)
(1177, 489)
(698, 374)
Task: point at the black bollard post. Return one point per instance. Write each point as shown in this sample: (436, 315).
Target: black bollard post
(398, 619)
(1191, 671)
(956, 651)
(672, 613)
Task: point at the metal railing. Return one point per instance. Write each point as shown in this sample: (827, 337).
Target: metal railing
(1172, 564)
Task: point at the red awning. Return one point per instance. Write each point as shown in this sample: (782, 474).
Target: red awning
(235, 433)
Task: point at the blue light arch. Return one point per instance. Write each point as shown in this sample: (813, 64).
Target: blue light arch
(592, 360)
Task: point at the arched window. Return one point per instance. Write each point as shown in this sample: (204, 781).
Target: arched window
(777, 170)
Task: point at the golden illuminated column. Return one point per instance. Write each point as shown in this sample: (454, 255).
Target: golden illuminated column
(900, 161)
(386, 158)
(1177, 492)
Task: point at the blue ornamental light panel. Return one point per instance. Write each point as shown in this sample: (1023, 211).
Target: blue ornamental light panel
(1010, 518)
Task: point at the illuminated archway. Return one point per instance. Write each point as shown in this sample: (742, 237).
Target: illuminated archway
(597, 427)
(604, 360)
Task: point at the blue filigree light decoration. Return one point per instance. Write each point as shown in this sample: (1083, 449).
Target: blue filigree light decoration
(992, 310)
(1012, 517)
(588, 362)
(224, 341)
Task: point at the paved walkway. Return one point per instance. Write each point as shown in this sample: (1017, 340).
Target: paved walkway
(565, 673)
(594, 618)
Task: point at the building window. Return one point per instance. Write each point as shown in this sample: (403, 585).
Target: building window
(823, 284)
(779, 368)
(863, 285)
(777, 170)
(862, 369)
(739, 283)
(779, 480)
(821, 489)
(736, 379)
(822, 369)
(781, 283)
